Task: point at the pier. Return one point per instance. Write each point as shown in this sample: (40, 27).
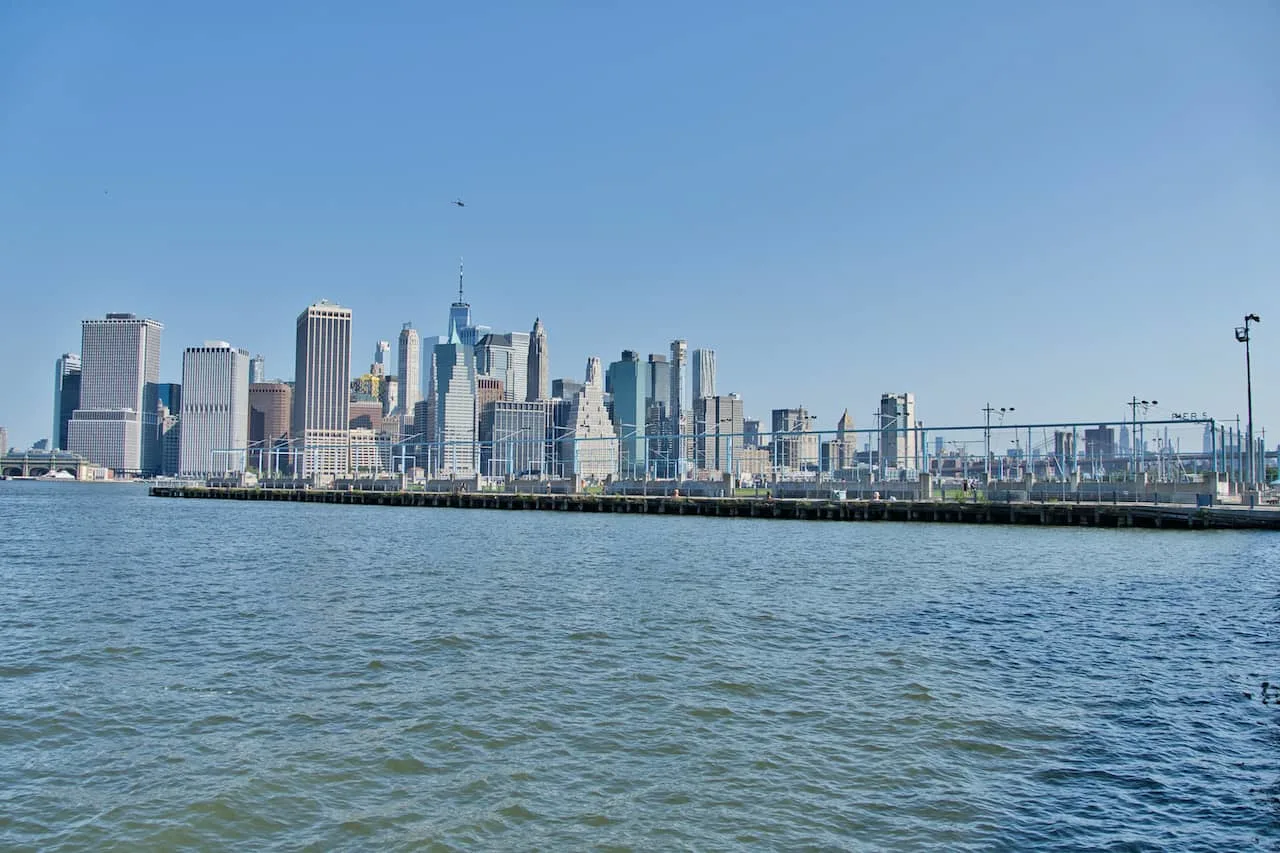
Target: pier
(1025, 513)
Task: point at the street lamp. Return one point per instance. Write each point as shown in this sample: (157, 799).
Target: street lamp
(989, 410)
(1242, 335)
(1134, 440)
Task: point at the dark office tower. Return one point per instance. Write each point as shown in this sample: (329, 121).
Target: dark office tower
(66, 396)
(628, 381)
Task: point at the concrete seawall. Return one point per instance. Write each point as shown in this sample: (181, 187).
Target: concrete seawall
(1162, 516)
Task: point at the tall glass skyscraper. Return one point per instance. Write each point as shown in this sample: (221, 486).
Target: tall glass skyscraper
(455, 399)
(628, 381)
(66, 396)
(460, 319)
(115, 425)
(321, 394)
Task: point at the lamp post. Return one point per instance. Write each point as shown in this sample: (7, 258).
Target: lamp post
(1134, 439)
(1242, 335)
(989, 410)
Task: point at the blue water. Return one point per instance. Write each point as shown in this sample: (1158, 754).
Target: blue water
(221, 675)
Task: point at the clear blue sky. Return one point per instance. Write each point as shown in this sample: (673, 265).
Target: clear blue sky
(1047, 205)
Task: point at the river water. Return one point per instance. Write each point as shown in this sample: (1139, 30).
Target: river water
(222, 675)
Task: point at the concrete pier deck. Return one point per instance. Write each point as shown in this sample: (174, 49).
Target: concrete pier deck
(1164, 516)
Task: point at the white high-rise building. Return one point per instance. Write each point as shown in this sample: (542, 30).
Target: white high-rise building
(215, 410)
(115, 425)
(589, 447)
(410, 370)
(455, 399)
(321, 394)
(704, 373)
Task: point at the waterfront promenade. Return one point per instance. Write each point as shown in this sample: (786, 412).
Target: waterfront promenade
(1055, 514)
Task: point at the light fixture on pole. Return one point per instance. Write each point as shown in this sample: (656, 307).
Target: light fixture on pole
(1242, 335)
(988, 410)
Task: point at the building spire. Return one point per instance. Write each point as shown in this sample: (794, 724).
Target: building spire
(459, 281)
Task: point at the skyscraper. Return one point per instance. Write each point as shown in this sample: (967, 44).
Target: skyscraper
(719, 432)
(455, 393)
(513, 437)
(585, 448)
(66, 396)
(390, 395)
(659, 390)
(704, 373)
(410, 369)
(460, 319)
(381, 358)
(270, 409)
(794, 445)
(505, 357)
(538, 371)
(628, 381)
(679, 365)
(565, 389)
(843, 451)
(115, 425)
(321, 394)
(488, 391)
(899, 440)
(215, 409)
(257, 370)
(169, 426)
(659, 428)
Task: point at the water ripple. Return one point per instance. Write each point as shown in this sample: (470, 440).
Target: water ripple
(450, 680)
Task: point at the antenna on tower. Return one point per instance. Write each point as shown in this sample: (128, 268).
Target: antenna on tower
(459, 280)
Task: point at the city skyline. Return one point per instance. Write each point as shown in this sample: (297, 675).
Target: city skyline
(459, 319)
(953, 203)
